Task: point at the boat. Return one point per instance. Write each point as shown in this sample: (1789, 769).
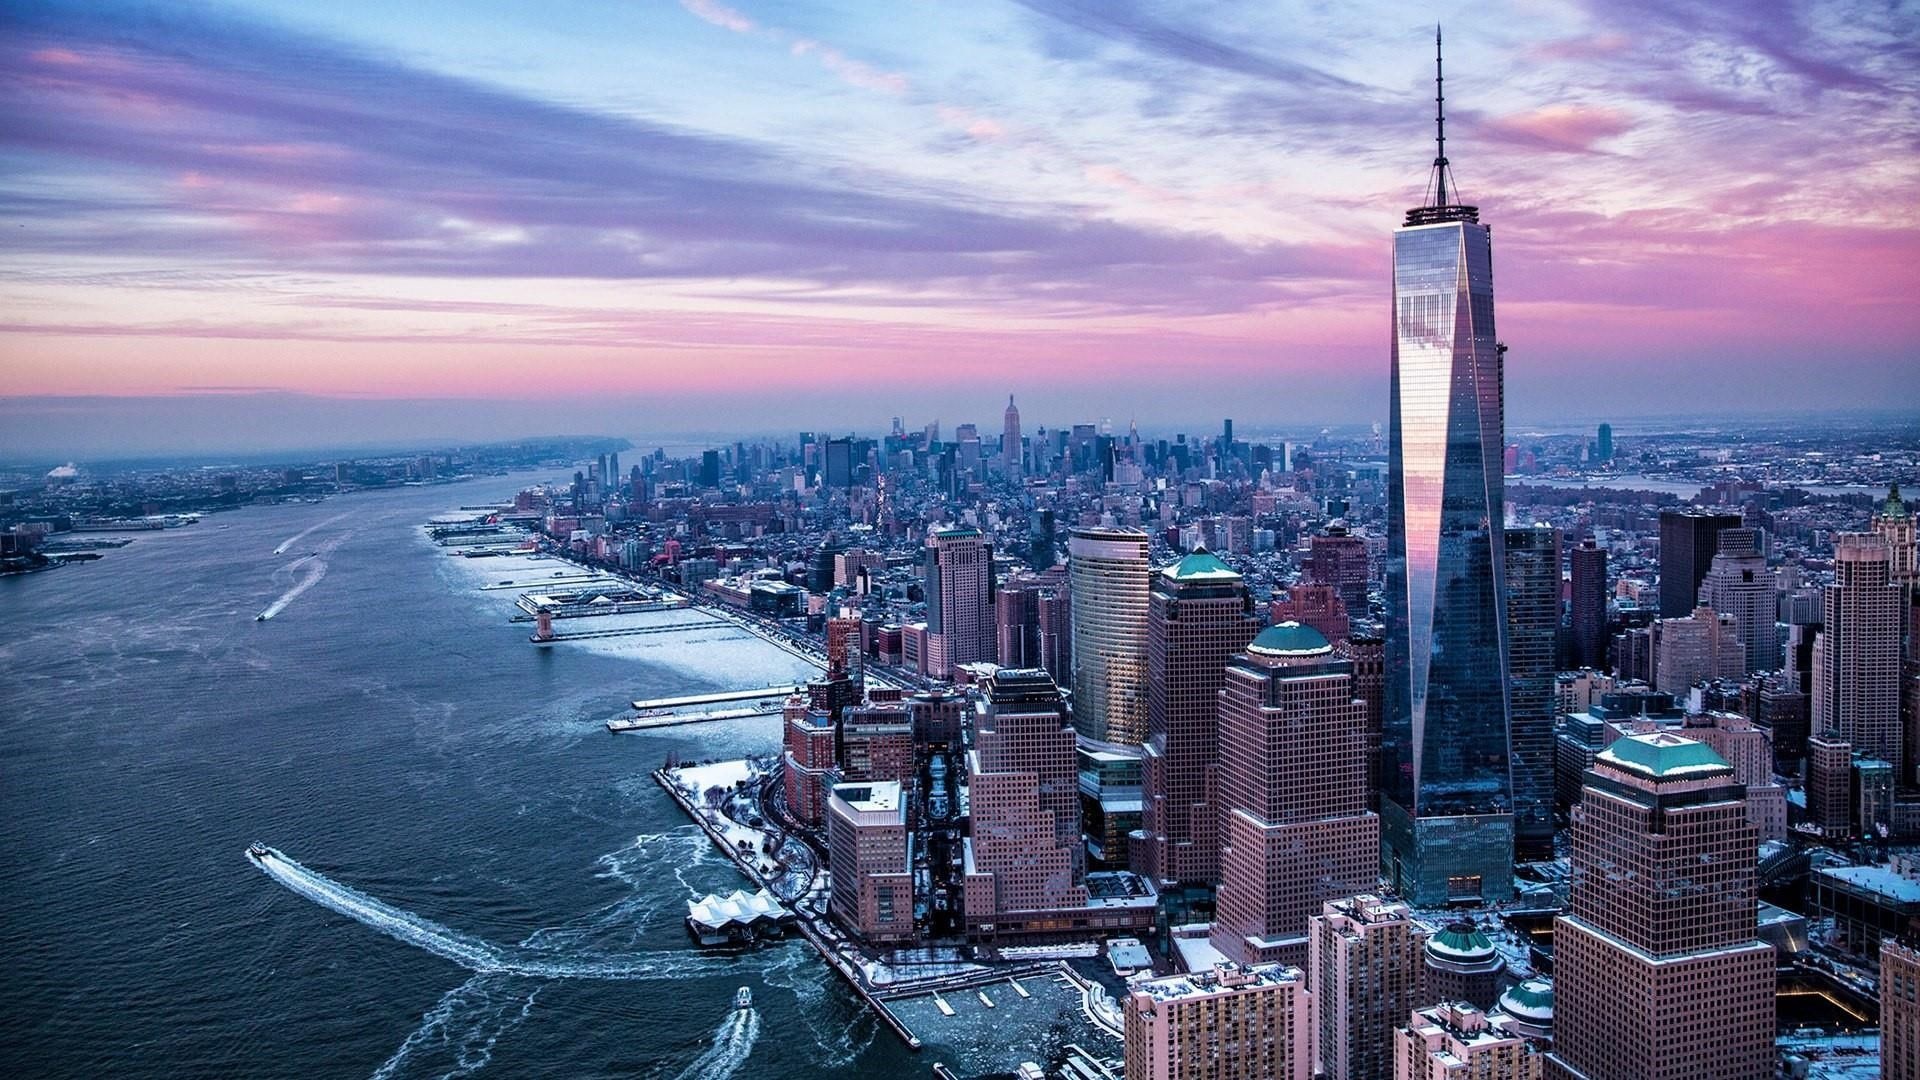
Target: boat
(257, 852)
(262, 617)
(743, 998)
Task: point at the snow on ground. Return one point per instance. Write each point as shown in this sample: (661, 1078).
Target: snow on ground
(695, 779)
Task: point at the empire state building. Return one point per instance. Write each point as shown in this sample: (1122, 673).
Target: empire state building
(1448, 813)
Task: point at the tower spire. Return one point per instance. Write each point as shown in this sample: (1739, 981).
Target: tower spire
(1443, 193)
(1439, 123)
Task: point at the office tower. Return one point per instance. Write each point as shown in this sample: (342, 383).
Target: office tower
(820, 567)
(809, 757)
(1011, 449)
(1055, 613)
(1689, 537)
(1739, 584)
(1777, 704)
(1533, 639)
(959, 585)
(1318, 606)
(1017, 607)
(1295, 830)
(1463, 965)
(1893, 523)
(1108, 575)
(1703, 646)
(1747, 749)
(839, 470)
(1024, 854)
(1448, 815)
(1041, 553)
(1336, 557)
(870, 856)
(1365, 977)
(1112, 789)
(710, 468)
(876, 743)
(1228, 1023)
(1660, 923)
(1368, 655)
(1856, 677)
(1199, 613)
(1454, 1041)
(846, 648)
(1589, 605)
(1603, 444)
(1830, 783)
(1899, 1010)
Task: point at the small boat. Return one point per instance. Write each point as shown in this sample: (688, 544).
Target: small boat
(743, 998)
(262, 617)
(257, 852)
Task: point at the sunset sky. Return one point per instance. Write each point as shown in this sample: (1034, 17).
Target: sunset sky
(780, 215)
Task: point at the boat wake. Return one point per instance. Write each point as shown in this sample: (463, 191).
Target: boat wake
(303, 533)
(732, 1041)
(463, 1027)
(316, 569)
(466, 950)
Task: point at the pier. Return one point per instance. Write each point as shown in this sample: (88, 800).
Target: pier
(712, 699)
(582, 635)
(648, 723)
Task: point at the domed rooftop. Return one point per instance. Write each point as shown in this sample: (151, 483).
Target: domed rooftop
(1290, 639)
(1201, 565)
(1463, 941)
(1531, 999)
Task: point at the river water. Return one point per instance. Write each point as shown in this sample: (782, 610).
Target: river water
(477, 877)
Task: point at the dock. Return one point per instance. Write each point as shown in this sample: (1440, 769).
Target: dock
(780, 691)
(582, 635)
(648, 723)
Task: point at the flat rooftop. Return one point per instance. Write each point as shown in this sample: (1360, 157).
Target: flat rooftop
(879, 796)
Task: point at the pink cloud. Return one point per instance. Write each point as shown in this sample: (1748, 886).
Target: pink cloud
(851, 71)
(1566, 128)
(983, 128)
(719, 15)
(1586, 47)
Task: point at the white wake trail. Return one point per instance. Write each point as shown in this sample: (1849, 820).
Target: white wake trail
(732, 1042)
(303, 533)
(464, 949)
(315, 572)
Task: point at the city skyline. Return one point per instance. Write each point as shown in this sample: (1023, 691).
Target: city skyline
(783, 200)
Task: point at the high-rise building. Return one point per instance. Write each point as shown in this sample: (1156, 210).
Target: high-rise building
(1448, 814)
(1368, 655)
(1366, 978)
(1589, 605)
(1199, 613)
(876, 743)
(1454, 1041)
(1337, 558)
(1899, 1010)
(870, 856)
(1011, 448)
(1295, 830)
(1533, 646)
(1603, 444)
(959, 587)
(1318, 606)
(1703, 646)
(846, 651)
(1463, 965)
(808, 759)
(1893, 523)
(1109, 578)
(1229, 1023)
(1689, 538)
(1739, 584)
(1024, 855)
(840, 464)
(1856, 677)
(1830, 784)
(1018, 630)
(1661, 923)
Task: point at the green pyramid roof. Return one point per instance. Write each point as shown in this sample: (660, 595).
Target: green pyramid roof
(1894, 506)
(1201, 565)
(1290, 639)
(1461, 941)
(1662, 754)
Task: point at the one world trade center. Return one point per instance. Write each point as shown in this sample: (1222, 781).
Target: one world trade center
(1447, 814)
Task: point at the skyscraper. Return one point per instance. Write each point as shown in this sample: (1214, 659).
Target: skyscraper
(959, 587)
(1739, 583)
(1856, 676)
(1199, 613)
(1295, 830)
(1660, 923)
(1338, 558)
(1011, 449)
(1533, 638)
(1365, 976)
(1229, 1023)
(1448, 814)
(1024, 854)
(1603, 444)
(1108, 577)
(870, 853)
(1893, 521)
(1689, 537)
(1589, 605)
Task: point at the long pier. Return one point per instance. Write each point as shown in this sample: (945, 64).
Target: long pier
(780, 691)
(581, 635)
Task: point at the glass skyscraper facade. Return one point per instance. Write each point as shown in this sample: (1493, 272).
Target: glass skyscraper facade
(1446, 745)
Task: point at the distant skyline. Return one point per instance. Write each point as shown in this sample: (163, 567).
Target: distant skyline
(753, 216)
